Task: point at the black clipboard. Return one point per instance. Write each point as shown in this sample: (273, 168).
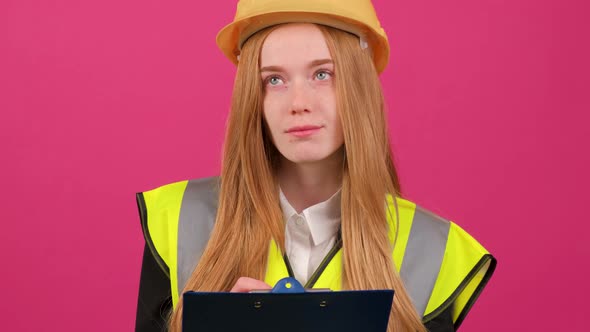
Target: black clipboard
(287, 310)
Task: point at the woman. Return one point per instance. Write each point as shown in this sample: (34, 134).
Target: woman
(307, 171)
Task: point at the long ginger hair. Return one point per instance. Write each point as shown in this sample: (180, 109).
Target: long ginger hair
(249, 214)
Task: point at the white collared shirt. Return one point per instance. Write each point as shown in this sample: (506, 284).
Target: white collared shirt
(310, 235)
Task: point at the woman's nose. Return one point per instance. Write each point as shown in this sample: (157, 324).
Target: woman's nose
(300, 96)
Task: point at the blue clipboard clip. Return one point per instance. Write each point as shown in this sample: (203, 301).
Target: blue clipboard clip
(288, 285)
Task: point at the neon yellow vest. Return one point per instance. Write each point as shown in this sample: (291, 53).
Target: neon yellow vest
(440, 264)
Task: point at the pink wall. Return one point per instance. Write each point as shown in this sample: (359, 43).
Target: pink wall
(100, 99)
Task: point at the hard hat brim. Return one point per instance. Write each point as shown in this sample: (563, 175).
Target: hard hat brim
(231, 37)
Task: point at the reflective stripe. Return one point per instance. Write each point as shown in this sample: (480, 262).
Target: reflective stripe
(399, 232)
(197, 217)
(423, 256)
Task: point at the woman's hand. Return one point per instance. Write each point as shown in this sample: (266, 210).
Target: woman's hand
(245, 285)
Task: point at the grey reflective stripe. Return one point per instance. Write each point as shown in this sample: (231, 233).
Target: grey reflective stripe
(423, 256)
(197, 216)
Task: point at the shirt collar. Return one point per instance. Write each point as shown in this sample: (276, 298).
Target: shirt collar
(323, 219)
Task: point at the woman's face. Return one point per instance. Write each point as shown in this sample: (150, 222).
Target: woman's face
(299, 94)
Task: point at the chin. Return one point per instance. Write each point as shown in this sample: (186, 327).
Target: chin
(307, 158)
(311, 154)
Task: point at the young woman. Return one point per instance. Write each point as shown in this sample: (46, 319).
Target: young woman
(308, 187)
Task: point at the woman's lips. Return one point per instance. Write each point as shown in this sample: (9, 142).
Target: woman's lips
(303, 131)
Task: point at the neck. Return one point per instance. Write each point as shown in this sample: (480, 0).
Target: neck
(307, 184)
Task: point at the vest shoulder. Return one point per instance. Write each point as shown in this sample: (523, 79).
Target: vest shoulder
(164, 208)
(411, 214)
(171, 211)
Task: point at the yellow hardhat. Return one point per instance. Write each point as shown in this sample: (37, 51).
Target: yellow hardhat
(355, 16)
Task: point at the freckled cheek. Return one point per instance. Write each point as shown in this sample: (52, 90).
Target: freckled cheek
(325, 95)
(274, 106)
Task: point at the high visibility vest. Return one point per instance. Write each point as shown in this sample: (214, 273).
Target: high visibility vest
(440, 264)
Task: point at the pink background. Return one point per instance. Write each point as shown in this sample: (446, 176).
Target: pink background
(99, 99)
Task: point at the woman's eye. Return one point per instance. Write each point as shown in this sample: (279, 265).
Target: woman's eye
(322, 75)
(274, 80)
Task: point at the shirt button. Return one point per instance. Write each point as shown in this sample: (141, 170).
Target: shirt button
(299, 221)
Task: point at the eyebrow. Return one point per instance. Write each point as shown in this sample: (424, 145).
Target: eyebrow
(312, 64)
